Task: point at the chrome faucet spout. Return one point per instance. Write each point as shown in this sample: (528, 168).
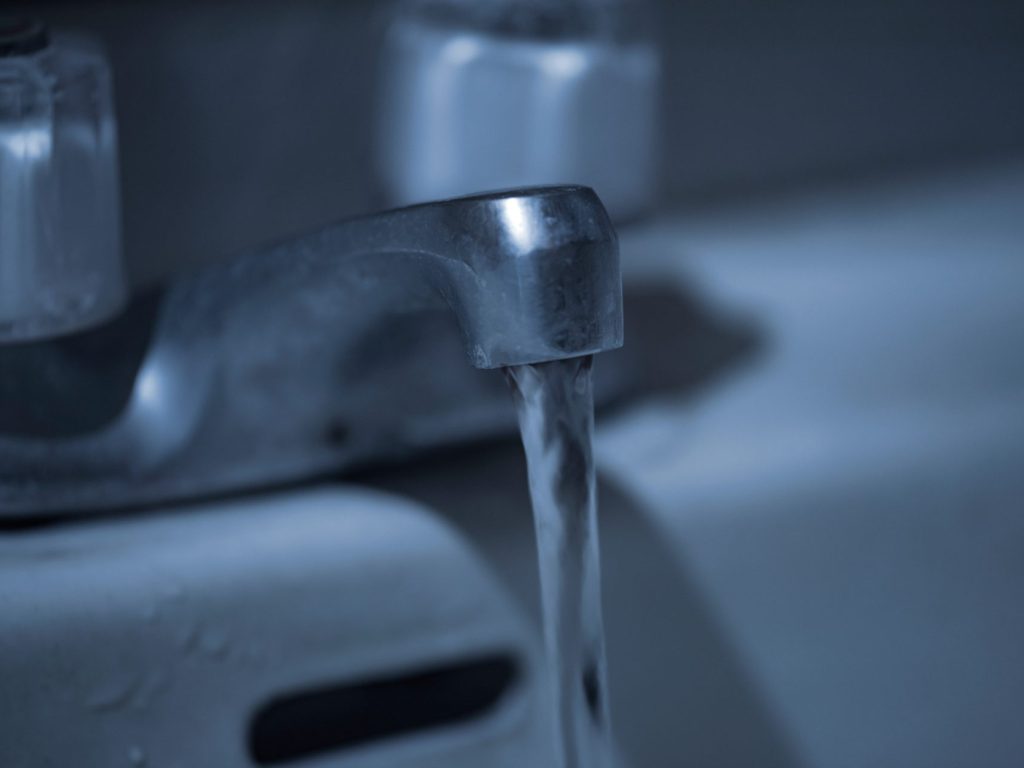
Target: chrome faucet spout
(328, 350)
(531, 274)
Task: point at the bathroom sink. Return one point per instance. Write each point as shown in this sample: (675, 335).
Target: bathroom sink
(813, 557)
(848, 506)
(328, 626)
(817, 558)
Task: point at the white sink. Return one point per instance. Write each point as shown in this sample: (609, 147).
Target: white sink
(848, 510)
(322, 627)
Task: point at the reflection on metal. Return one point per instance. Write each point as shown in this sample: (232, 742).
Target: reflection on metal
(516, 218)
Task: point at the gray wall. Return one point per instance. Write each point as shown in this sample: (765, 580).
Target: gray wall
(763, 93)
(243, 121)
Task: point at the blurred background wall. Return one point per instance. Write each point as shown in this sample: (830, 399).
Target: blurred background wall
(242, 121)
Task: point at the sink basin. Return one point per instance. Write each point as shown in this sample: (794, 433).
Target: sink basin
(848, 506)
(816, 560)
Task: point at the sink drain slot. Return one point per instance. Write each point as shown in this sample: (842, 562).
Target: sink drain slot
(333, 718)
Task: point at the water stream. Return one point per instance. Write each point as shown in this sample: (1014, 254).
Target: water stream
(556, 417)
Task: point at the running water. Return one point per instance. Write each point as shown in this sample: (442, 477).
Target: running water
(556, 418)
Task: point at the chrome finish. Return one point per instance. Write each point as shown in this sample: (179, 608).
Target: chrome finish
(291, 362)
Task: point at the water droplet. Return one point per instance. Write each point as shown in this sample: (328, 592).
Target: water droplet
(137, 757)
(214, 643)
(253, 655)
(150, 687)
(112, 696)
(172, 592)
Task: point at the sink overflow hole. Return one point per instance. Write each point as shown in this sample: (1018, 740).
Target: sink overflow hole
(329, 719)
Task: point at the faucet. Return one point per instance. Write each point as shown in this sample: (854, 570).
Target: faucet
(328, 351)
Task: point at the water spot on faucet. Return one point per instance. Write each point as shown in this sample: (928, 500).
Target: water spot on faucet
(253, 655)
(478, 356)
(214, 643)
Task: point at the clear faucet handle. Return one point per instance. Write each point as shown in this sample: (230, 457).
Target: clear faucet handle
(60, 260)
(492, 94)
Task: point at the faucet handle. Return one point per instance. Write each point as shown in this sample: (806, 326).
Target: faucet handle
(60, 260)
